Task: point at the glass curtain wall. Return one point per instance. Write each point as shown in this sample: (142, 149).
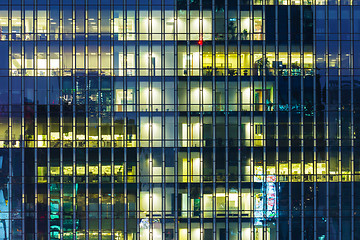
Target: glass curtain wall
(175, 119)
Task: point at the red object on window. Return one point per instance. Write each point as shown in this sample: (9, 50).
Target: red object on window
(200, 42)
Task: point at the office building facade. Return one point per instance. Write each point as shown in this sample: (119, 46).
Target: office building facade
(180, 119)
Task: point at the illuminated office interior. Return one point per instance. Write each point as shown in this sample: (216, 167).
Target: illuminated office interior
(175, 119)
